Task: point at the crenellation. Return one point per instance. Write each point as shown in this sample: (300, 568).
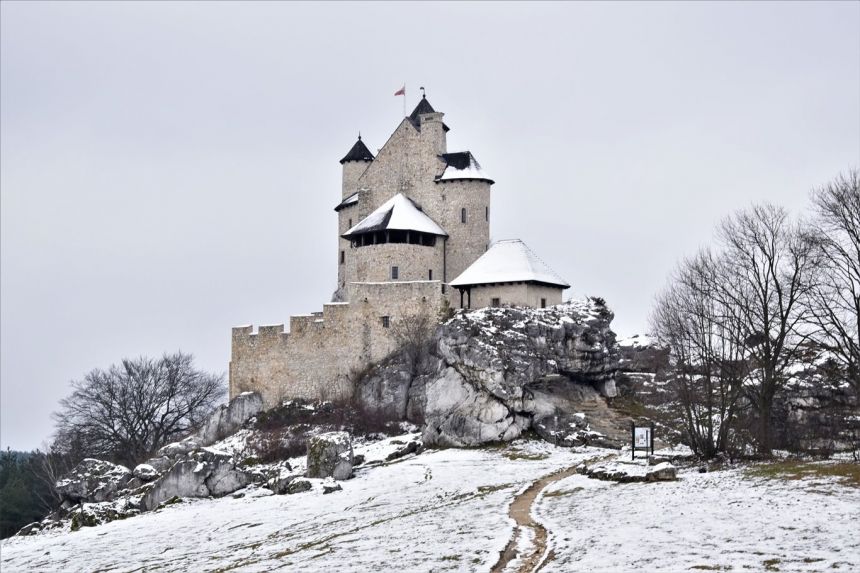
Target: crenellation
(389, 269)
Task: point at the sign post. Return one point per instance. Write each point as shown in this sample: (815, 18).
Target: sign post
(642, 438)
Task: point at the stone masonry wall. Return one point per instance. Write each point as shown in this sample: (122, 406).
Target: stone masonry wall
(519, 294)
(322, 351)
(372, 263)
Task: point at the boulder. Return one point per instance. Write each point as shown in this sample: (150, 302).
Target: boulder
(145, 472)
(298, 486)
(93, 481)
(179, 449)
(330, 455)
(661, 472)
(160, 464)
(228, 418)
(192, 478)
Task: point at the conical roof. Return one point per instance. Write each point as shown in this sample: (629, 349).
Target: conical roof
(508, 261)
(398, 213)
(359, 152)
(420, 109)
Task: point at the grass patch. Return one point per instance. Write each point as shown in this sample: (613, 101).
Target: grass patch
(847, 473)
(485, 489)
(562, 492)
(711, 567)
(513, 456)
(771, 564)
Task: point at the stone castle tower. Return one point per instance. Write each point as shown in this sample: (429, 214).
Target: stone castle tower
(413, 224)
(413, 213)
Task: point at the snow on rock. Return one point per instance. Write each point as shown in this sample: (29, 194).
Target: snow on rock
(228, 418)
(211, 475)
(93, 480)
(145, 472)
(443, 510)
(494, 372)
(330, 455)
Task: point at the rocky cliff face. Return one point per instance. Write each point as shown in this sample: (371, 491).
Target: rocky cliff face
(492, 373)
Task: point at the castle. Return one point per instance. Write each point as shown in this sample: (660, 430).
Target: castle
(414, 238)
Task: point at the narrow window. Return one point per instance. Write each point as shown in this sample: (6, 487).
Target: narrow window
(349, 226)
(395, 273)
(386, 321)
(487, 213)
(543, 303)
(463, 215)
(430, 275)
(495, 302)
(342, 257)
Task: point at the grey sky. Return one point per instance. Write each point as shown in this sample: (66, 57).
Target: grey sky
(169, 170)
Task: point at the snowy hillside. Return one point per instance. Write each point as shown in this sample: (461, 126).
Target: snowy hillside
(447, 510)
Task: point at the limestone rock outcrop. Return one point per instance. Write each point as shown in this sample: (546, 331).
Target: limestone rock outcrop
(330, 455)
(492, 373)
(228, 418)
(93, 481)
(207, 473)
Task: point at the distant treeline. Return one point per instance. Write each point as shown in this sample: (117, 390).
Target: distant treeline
(25, 495)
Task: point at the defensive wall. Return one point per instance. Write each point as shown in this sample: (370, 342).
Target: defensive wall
(321, 353)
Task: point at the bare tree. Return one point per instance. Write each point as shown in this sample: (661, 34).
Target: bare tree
(702, 332)
(834, 304)
(770, 264)
(412, 334)
(127, 412)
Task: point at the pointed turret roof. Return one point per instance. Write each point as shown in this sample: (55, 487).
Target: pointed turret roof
(509, 261)
(359, 152)
(420, 109)
(398, 213)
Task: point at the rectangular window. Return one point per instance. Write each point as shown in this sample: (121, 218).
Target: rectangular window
(349, 226)
(342, 257)
(463, 215)
(543, 303)
(386, 321)
(430, 275)
(495, 302)
(487, 213)
(395, 273)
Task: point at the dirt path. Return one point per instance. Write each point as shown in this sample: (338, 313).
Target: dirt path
(521, 512)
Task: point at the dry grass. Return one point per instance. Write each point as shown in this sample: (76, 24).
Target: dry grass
(847, 473)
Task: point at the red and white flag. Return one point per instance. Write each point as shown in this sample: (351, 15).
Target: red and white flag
(401, 91)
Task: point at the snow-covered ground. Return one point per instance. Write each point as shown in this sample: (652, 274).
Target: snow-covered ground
(720, 521)
(443, 510)
(447, 510)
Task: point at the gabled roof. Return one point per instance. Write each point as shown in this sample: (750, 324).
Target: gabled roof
(359, 152)
(509, 261)
(349, 200)
(462, 165)
(422, 108)
(398, 213)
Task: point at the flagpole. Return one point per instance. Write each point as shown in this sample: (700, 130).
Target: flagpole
(404, 99)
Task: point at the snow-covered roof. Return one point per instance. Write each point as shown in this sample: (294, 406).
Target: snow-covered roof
(398, 213)
(462, 165)
(350, 200)
(508, 261)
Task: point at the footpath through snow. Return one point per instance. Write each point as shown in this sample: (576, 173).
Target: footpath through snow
(447, 510)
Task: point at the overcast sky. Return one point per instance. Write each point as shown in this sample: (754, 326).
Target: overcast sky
(169, 170)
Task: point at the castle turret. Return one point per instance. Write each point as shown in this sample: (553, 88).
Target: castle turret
(429, 123)
(354, 164)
